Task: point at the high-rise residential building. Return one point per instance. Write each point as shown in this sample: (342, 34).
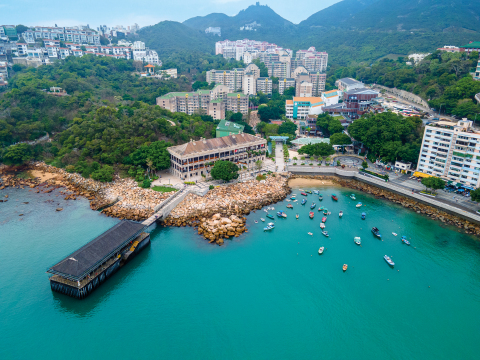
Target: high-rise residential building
(144, 54)
(264, 85)
(451, 150)
(75, 35)
(250, 84)
(313, 60)
(252, 68)
(279, 69)
(284, 84)
(318, 83)
(305, 89)
(237, 49)
(237, 102)
(231, 78)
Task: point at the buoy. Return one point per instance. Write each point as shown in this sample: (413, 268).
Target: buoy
(388, 279)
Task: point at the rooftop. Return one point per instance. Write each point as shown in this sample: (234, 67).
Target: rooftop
(204, 145)
(307, 141)
(474, 44)
(79, 264)
(230, 126)
(311, 100)
(349, 81)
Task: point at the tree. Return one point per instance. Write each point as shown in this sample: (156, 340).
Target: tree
(328, 124)
(475, 195)
(289, 92)
(321, 149)
(18, 154)
(288, 127)
(364, 164)
(259, 164)
(267, 113)
(156, 152)
(433, 183)
(236, 117)
(104, 174)
(340, 139)
(224, 170)
(21, 29)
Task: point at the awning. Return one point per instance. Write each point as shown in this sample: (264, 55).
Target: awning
(449, 182)
(420, 174)
(468, 187)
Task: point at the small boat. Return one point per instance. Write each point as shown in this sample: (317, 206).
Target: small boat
(388, 260)
(310, 233)
(376, 232)
(320, 251)
(357, 240)
(329, 213)
(266, 210)
(394, 234)
(272, 208)
(293, 197)
(296, 216)
(304, 194)
(301, 190)
(322, 226)
(281, 214)
(315, 192)
(345, 267)
(325, 233)
(262, 219)
(404, 240)
(359, 205)
(289, 206)
(321, 208)
(311, 214)
(308, 191)
(320, 197)
(294, 200)
(353, 197)
(270, 226)
(364, 215)
(270, 216)
(334, 197)
(304, 201)
(313, 206)
(325, 211)
(324, 219)
(340, 214)
(256, 222)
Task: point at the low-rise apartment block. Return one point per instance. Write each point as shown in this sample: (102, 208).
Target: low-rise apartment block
(300, 107)
(451, 151)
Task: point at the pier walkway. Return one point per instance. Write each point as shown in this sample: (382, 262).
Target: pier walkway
(162, 210)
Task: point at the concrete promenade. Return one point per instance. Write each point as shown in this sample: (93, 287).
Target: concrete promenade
(467, 214)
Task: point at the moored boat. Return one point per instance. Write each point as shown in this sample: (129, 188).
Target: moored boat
(324, 219)
(310, 233)
(304, 201)
(311, 214)
(321, 208)
(296, 216)
(405, 241)
(289, 206)
(270, 216)
(304, 194)
(364, 215)
(325, 233)
(345, 267)
(256, 221)
(313, 206)
(353, 197)
(320, 197)
(262, 219)
(334, 197)
(357, 240)
(315, 192)
(340, 214)
(308, 191)
(325, 211)
(270, 226)
(394, 234)
(281, 214)
(376, 232)
(389, 261)
(322, 225)
(359, 205)
(320, 251)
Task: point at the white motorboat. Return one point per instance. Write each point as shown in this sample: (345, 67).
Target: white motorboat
(340, 214)
(357, 240)
(394, 234)
(359, 205)
(262, 219)
(310, 233)
(388, 260)
(322, 225)
(320, 251)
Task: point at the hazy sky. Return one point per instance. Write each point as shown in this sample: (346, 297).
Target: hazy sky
(143, 12)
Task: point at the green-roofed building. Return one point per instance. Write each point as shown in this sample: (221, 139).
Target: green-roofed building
(473, 46)
(226, 128)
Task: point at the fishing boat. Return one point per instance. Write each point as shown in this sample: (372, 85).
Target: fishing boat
(394, 234)
(322, 226)
(311, 214)
(353, 197)
(256, 222)
(296, 216)
(376, 232)
(357, 240)
(321, 208)
(270, 216)
(308, 191)
(325, 211)
(289, 206)
(304, 194)
(340, 214)
(325, 233)
(315, 192)
(359, 205)
(324, 219)
(345, 267)
(320, 251)
(334, 197)
(364, 215)
(389, 261)
(262, 219)
(404, 240)
(293, 197)
(313, 206)
(270, 226)
(304, 201)
(281, 214)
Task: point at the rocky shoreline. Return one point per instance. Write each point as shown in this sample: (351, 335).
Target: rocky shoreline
(218, 214)
(431, 212)
(121, 198)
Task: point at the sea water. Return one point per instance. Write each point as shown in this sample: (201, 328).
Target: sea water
(263, 295)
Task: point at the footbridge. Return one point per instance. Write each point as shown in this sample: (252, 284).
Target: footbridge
(163, 209)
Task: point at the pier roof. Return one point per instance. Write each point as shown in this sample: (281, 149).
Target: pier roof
(79, 264)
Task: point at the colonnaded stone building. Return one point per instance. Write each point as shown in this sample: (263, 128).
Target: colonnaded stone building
(193, 160)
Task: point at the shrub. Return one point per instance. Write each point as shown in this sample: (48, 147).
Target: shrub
(261, 177)
(189, 182)
(294, 163)
(146, 183)
(211, 187)
(70, 168)
(311, 164)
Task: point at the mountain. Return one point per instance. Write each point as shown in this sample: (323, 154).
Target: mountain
(425, 15)
(168, 37)
(261, 14)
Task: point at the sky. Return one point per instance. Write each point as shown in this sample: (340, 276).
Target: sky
(145, 12)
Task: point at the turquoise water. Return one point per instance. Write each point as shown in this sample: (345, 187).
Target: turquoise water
(261, 296)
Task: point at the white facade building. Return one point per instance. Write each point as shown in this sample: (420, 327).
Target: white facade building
(451, 151)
